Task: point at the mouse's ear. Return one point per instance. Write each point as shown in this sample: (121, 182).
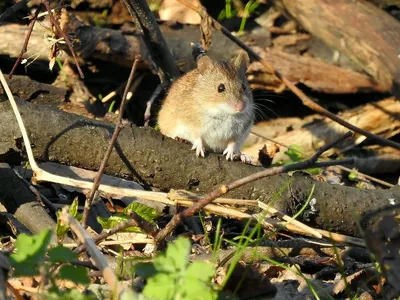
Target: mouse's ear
(204, 63)
(241, 60)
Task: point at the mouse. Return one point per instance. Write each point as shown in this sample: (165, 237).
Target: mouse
(211, 107)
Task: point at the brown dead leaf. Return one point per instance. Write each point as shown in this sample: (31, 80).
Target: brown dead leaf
(273, 271)
(205, 31)
(267, 153)
(128, 236)
(364, 275)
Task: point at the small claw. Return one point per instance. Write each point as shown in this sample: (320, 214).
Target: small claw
(198, 146)
(231, 155)
(229, 152)
(200, 152)
(245, 158)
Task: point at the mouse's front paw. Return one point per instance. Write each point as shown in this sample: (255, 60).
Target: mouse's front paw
(198, 146)
(245, 158)
(229, 152)
(233, 153)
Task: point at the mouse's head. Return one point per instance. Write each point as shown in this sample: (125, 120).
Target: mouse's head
(224, 85)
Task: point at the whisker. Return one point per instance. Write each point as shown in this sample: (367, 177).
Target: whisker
(259, 113)
(266, 100)
(256, 107)
(263, 104)
(270, 96)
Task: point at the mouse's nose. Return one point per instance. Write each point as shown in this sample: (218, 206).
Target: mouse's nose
(239, 106)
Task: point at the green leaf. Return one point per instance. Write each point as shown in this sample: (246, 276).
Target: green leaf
(161, 287)
(145, 270)
(191, 289)
(197, 281)
(314, 171)
(172, 277)
(61, 230)
(30, 253)
(72, 294)
(61, 254)
(176, 257)
(353, 175)
(294, 153)
(108, 223)
(73, 209)
(75, 274)
(144, 211)
(200, 270)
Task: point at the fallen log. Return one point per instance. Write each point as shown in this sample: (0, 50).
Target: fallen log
(359, 29)
(146, 156)
(314, 73)
(120, 48)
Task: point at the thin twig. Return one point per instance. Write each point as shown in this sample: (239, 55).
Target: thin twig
(270, 210)
(25, 46)
(115, 242)
(150, 228)
(21, 125)
(95, 254)
(300, 94)
(64, 36)
(14, 289)
(149, 104)
(106, 233)
(118, 127)
(40, 197)
(310, 163)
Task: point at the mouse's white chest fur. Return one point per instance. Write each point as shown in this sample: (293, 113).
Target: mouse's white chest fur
(219, 132)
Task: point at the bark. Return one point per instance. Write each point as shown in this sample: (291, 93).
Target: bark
(120, 48)
(314, 73)
(146, 156)
(359, 29)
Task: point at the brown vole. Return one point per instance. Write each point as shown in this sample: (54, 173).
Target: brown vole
(211, 107)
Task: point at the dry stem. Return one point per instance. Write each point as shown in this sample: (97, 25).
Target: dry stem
(118, 127)
(95, 254)
(62, 33)
(25, 46)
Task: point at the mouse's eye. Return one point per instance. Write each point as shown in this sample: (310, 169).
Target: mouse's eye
(221, 88)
